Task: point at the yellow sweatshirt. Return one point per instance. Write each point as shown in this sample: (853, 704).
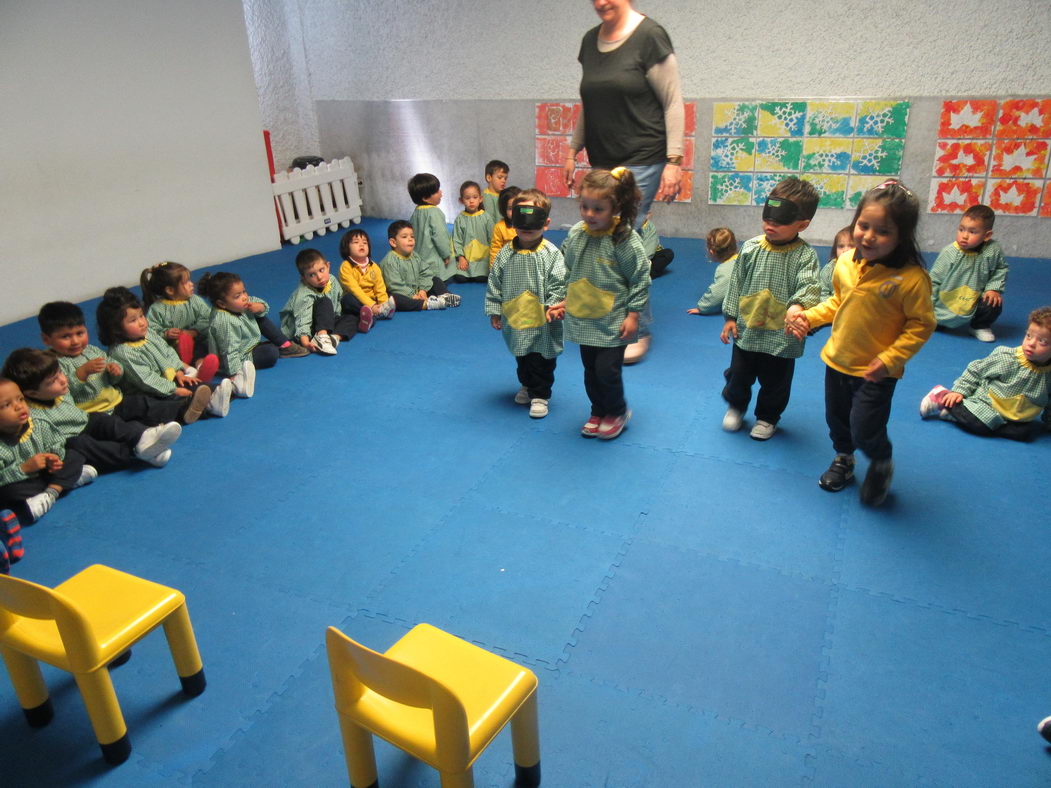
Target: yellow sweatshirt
(367, 286)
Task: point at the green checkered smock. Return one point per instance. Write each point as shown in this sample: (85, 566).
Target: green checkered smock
(61, 413)
(959, 279)
(96, 394)
(35, 438)
(1005, 386)
(149, 365)
(232, 337)
(766, 280)
(433, 242)
(194, 314)
(606, 280)
(521, 284)
(297, 315)
(472, 233)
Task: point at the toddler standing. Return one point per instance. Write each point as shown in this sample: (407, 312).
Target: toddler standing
(472, 233)
(843, 242)
(496, 173)
(433, 242)
(503, 232)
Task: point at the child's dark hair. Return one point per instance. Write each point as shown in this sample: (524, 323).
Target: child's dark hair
(1041, 316)
(307, 258)
(350, 235)
(397, 227)
(617, 186)
(468, 185)
(110, 314)
(156, 279)
(496, 166)
(422, 185)
(216, 286)
(535, 196)
(29, 367)
(903, 209)
(800, 192)
(847, 231)
(983, 213)
(59, 314)
(504, 200)
(722, 243)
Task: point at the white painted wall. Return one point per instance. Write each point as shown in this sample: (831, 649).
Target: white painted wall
(130, 134)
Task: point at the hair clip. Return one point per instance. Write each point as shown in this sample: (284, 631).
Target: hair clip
(618, 172)
(894, 182)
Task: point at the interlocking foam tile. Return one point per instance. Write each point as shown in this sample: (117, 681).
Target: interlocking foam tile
(790, 525)
(960, 695)
(596, 735)
(488, 577)
(737, 641)
(602, 485)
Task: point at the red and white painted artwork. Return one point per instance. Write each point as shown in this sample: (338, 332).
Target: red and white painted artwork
(554, 129)
(996, 152)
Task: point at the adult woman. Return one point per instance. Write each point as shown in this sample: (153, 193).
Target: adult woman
(632, 111)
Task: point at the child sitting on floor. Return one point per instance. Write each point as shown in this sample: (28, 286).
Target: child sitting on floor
(94, 377)
(35, 466)
(1004, 394)
(969, 276)
(660, 256)
(150, 365)
(408, 278)
(433, 242)
(314, 312)
(525, 299)
(722, 248)
(364, 291)
(107, 442)
(472, 233)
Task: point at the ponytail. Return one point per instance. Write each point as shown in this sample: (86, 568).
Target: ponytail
(617, 186)
(156, 280)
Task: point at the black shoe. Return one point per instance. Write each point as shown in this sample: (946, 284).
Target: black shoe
(839, 474)
(877, 482)
(660, 261)
(1045, 728)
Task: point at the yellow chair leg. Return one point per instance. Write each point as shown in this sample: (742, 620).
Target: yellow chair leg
(525, 739)
(29, 686)
(96, 689)
(183, 645)
(360, 754)
(461, 780)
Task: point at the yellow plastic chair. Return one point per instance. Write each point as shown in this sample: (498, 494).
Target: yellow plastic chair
(438, 698)
(82, 626)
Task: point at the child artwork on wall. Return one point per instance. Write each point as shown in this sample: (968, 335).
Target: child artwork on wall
(993, 151)
(554, 129)
(843, 147)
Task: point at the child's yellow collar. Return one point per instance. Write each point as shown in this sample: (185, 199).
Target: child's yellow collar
(608, 231)
(787, 247)
(1043, 369)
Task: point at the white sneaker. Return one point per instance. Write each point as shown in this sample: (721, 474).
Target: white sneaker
(161, 459)
(41, 503)
(450, 299)
(983, 334)
(433, 302)
(930, 405)
(156, 439)
(763, 430)
(324, 343)
(538, 408)
(88, 474)
(244, 381)
(522, 396)
(387, 310)
(219, 404)
(732, 421)
(336, 339)
(190, 372)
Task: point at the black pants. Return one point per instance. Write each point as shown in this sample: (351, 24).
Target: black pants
(107, 442)
(151, 411)
(537, 374)
(857, 412)
(271, 332)
(985, 315)
(775, 383)
(325, 319)
(404, 303)
(1024, 431)
(602, 379)
(13, 496)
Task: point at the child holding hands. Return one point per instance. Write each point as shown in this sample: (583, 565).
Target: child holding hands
(525, 299)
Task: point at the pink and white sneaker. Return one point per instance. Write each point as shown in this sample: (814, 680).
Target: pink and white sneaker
(931, 404)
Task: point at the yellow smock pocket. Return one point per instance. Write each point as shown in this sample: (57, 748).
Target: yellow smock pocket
(475, 251)
(960, 301)
(762, 310)
(524, 311)
(584, 300)
(1016, 408)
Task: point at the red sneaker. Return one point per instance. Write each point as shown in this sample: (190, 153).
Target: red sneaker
(365, 320)
(612, 426)
(184, 345)
(208, 367)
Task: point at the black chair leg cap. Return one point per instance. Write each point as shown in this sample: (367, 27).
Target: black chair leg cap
(120, 660)
(116, 752)
(194, 685)
(527, 776)
(41, 715)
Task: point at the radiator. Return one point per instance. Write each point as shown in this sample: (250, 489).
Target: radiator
(317, 199)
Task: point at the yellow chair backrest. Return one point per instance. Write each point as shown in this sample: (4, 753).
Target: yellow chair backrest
(357, 668)
(21, 599)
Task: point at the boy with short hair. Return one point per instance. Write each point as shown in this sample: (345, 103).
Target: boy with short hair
(773, 272)
(93, 376)
(525, 299)
(969, 276)
(35, 466)
(107, 442)
(410, 281)
(496, 174)
(313, 313)
(433, 242)
(1004, 394)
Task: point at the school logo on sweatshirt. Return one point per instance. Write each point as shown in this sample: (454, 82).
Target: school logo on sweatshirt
(890, 287)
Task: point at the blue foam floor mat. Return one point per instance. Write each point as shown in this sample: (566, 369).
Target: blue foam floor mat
(697, 610)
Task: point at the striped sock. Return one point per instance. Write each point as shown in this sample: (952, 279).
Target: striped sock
(11, 536)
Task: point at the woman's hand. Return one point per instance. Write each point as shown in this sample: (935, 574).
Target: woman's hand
(569, 171)
(671, 182)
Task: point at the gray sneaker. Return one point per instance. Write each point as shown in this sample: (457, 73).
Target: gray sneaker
(325, 345)
(433, 302)
(522, 396)
(450, 299)
(763, 430)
